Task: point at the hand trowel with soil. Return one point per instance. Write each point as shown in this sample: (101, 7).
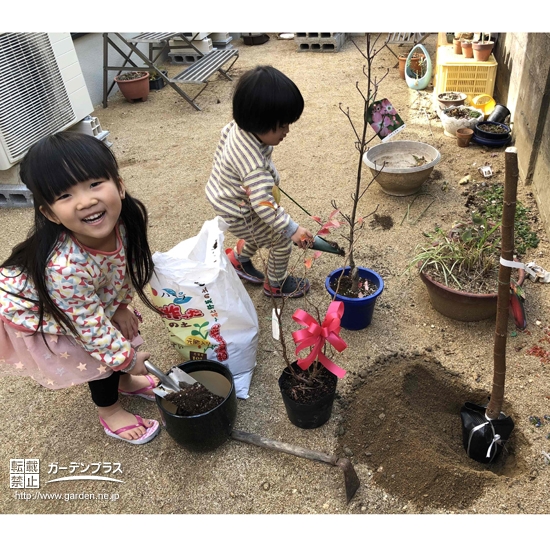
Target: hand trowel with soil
(186, 395)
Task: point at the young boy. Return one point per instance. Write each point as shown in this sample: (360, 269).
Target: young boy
(265, 103)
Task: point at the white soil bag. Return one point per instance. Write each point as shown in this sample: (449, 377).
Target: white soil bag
(206, 309)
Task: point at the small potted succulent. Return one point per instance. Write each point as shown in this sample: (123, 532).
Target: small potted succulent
(415, 63)
(451, 99)
(462, 116)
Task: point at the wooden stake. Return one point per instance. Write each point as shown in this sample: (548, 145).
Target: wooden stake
(507, 252)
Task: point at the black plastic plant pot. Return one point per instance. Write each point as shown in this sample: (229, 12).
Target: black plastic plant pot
(158, 83)
(499, 113)
(207, 431)
(308, 415)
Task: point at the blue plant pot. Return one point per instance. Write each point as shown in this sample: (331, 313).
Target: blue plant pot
(357, 311)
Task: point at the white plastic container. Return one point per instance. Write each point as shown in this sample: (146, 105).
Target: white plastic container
(452, 124)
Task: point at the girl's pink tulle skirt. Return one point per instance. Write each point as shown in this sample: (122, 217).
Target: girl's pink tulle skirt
(60, 364)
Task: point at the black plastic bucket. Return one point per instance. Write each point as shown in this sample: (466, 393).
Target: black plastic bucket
(207, 431)
(499, 113)
(310, 415)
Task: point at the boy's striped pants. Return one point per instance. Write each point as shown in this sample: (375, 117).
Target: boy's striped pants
(257, 234)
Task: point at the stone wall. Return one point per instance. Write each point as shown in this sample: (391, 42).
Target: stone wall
(523, 85)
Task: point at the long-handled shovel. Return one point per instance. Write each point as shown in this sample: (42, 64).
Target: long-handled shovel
(486, 429)
(350, 476)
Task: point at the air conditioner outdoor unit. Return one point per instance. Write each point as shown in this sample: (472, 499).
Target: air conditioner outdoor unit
(42, 90)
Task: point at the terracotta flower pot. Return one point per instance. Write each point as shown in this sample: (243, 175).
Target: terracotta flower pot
(402, 61)
(464, 136)
(415, 64)
(135, 88)
(451, 99)
(458, 305)
(467, 50)
(457, 47)
(482, 50)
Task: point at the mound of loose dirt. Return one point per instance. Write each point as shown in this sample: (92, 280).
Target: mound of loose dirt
(405, 424)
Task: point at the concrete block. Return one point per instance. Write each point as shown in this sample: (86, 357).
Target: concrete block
(15, 196)
(219, 36)
(89, 125)
(223, 44)
(320, 43)
(179, 58)
(316, 35)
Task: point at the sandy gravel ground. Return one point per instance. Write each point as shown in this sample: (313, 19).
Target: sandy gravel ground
(165, 149)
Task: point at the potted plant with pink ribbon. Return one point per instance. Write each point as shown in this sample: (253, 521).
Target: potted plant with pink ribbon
(308, 385)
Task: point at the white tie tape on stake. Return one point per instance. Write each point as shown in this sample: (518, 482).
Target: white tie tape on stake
(535, 272)
(517, 265)
(275, 327)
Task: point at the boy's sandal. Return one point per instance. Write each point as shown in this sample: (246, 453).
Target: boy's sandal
(150, 433)
(141, 391)
(293, 287)
(245, 270)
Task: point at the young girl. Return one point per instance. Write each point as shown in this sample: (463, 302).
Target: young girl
(265, 103)
(65, 290)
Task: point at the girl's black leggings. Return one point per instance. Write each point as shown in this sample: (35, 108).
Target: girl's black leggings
(105, 391)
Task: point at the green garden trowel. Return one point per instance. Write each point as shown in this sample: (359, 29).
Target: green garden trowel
(327, 246)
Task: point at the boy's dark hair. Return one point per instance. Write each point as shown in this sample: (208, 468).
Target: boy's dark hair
(50, 167)
(265, 97)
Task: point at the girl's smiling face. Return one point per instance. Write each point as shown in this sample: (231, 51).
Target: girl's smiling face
(90, 211)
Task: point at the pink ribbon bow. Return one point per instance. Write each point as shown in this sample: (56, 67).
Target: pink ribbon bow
(315, 336)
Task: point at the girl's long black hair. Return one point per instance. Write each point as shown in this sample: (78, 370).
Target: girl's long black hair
(51, 167)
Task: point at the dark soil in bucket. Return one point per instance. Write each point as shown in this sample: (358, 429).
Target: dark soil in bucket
(310, 385)
(404, 422)
(193, 400)
(366, 287)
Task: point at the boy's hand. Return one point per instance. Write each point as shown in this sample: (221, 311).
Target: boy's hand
(303, 237)
(126, 321)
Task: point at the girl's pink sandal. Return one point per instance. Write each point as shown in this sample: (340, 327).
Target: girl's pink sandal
(151, 432)
(141, 391)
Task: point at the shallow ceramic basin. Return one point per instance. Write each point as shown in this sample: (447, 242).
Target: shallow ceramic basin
(395, 167)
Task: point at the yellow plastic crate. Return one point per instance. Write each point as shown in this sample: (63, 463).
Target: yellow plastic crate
(455, 73)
